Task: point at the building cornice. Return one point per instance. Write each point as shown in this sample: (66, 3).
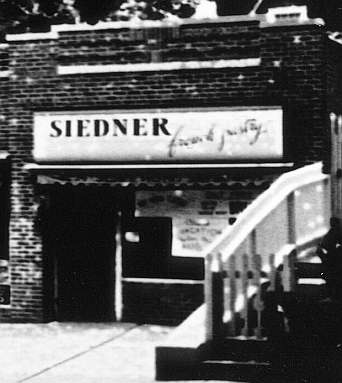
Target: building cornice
(56, 30)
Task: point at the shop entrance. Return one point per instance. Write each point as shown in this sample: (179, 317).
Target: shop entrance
(80, 252)
(150, 257)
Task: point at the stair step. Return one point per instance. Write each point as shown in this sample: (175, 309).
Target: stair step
(314, 291)
(240, 350)
(311, 281)
(308, 270)
(246, 363)
(236, 371)
(308, 254)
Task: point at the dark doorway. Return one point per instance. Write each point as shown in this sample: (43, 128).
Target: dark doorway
(150, 256)
(80, 247)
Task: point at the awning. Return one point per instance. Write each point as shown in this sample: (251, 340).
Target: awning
(149, 176)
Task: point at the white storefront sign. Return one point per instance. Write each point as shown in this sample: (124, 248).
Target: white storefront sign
(189, 135)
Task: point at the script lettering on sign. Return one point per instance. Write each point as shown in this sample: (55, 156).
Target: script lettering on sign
(251, 129)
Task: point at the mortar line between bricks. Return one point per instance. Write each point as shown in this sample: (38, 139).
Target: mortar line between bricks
(77, 355)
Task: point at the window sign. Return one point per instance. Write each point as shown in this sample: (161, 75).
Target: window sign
(198, 217)
(187, 135)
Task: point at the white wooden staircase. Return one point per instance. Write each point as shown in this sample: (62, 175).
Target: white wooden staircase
(262, 276)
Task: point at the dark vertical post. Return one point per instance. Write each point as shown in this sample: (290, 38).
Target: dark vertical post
(232, 293)
(333, 165)
(118, 300)
(291, 214)
(217, 289)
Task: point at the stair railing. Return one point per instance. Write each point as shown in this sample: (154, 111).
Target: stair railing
(289, 217)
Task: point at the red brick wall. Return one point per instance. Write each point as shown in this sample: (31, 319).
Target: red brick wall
(301, 83)
(292, 73)
(27, 62)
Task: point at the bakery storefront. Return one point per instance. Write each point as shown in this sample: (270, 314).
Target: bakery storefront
(131, 199)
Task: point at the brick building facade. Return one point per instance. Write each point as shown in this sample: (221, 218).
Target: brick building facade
(62, 214)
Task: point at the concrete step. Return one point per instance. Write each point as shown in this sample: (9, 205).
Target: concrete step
(310, 281)
(212, 369)
(240, 349)
(308, 270)
(309, 291)
(246, 371)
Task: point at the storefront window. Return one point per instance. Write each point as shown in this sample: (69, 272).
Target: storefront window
(172, 230)
(198, 216)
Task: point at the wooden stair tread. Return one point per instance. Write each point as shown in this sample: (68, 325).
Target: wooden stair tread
(308, 270)
(237, 362)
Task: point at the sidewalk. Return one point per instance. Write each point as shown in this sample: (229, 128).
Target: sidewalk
(79, 352)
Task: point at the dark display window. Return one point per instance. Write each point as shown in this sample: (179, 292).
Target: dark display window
(147, 252)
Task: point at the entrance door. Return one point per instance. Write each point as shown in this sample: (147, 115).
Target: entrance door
(149, 258)
(82, 240)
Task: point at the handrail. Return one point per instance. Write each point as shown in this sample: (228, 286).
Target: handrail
(287, 219)
(254, 213)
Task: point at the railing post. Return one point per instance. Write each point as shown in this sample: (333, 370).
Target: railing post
(217, 298)
(291, 218)
(336, 165)
(208, 295)
(328, 209)
(288, 277)
(333, 165)
(339, 168)
(244, 277)
(273, 273)
(232, 293)
(258, 303)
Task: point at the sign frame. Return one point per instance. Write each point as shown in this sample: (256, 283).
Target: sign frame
(284, 157)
